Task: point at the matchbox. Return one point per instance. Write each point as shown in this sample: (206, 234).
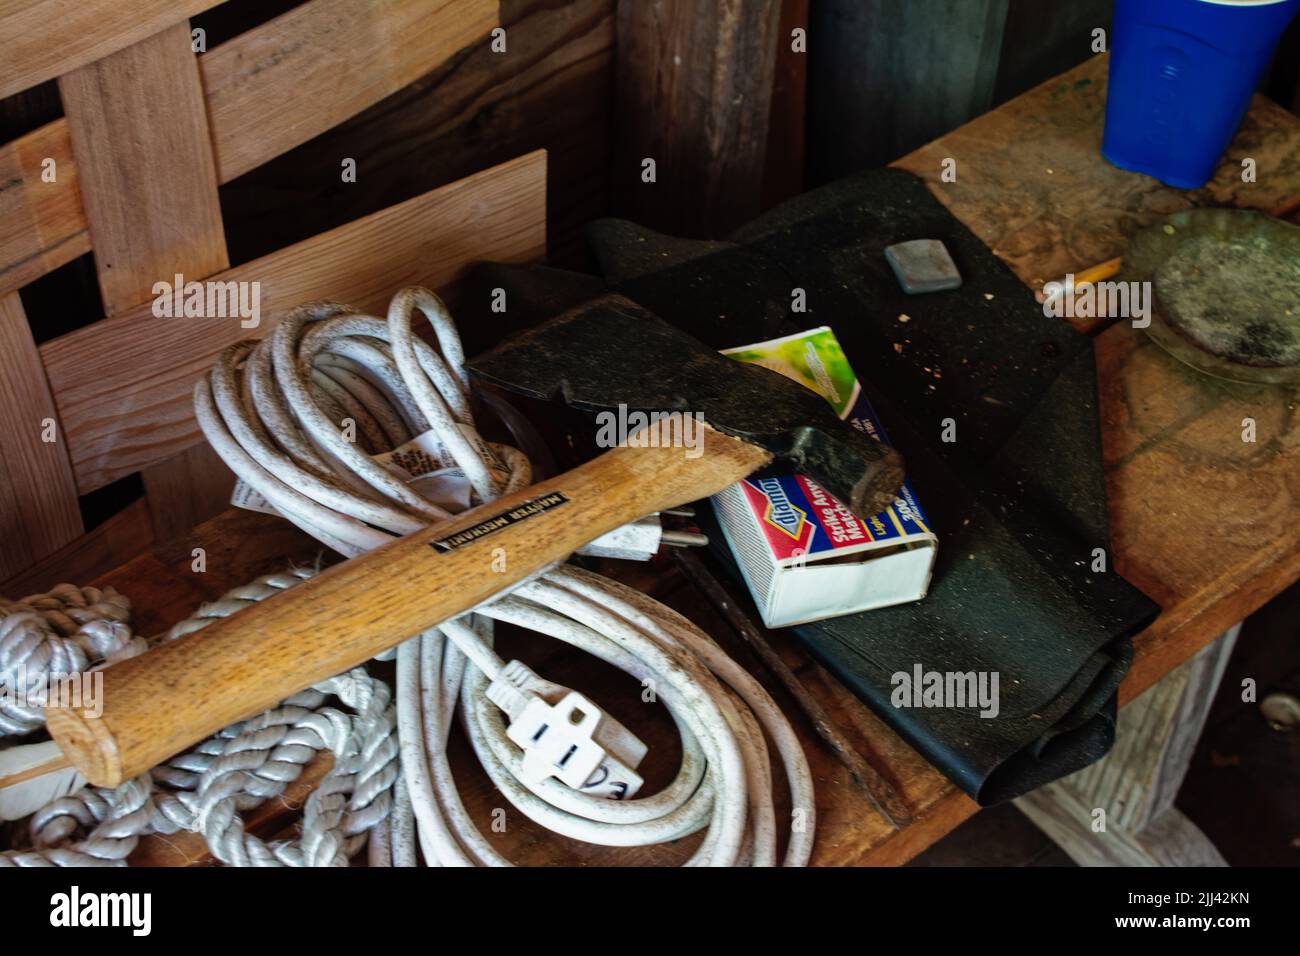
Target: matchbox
(802, 553)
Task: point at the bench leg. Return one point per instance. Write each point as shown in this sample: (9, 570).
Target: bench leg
(1120, 811)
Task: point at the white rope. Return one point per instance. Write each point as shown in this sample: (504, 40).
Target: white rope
(275, 410)
(44, 637)
(206, 789)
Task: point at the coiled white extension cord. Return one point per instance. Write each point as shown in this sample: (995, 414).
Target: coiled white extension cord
(274, 411)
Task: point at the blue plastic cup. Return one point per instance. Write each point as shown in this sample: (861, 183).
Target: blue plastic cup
(1181, 76)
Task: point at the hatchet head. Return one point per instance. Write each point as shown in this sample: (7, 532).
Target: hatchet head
(610, 352)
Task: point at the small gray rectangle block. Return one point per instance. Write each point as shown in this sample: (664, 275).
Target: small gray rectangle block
(923, 265)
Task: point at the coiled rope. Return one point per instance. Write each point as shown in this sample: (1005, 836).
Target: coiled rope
(298, 417)
(67, 631)
(206, 789)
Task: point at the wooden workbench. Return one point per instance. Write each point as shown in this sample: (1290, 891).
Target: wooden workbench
(1201, 521)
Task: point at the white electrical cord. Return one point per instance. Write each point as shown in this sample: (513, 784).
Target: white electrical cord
(298, 417)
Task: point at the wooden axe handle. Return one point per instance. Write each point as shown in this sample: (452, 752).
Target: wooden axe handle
(162, 702)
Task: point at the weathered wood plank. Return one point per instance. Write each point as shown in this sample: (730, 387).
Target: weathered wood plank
(42, 39)
(187, 489)
(266, 91)
(95, 553)
(1032, 184)
(694, 91)
(148, 182)
(238, 546)
(886, 77)
(121, 416)
(42, 224)
(288, 80)
(1201, 520)
(1170, 840)
(552, 90)
(783, 164)
(140, 131)
(38, 498)
(1156, 734)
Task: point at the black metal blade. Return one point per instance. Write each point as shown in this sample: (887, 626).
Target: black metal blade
(610, 352)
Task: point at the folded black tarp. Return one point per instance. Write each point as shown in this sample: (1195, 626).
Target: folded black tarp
(1018, 499)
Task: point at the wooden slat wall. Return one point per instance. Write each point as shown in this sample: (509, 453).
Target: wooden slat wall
(42, 39)
(137, 164)
(148, 182)
(290, 79)
(140, 134)
(38, 500)
(257, 106)
(694, 87)
(42, 224)
(552, 90)
(124, 416)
